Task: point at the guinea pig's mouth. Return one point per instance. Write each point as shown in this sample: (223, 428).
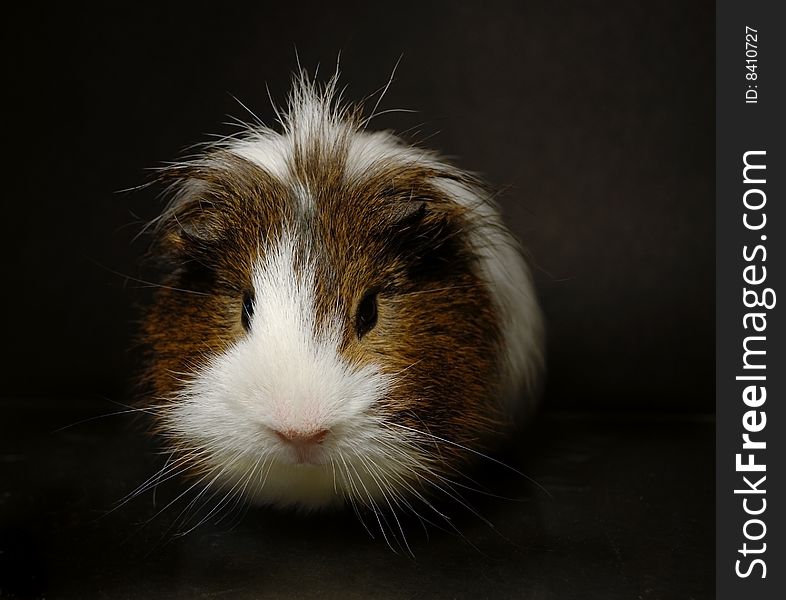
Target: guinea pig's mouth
(306, 456)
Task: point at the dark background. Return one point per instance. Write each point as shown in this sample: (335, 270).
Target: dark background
(596, 117)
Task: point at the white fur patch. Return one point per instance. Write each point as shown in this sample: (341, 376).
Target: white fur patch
(369, 151)
(266, 149)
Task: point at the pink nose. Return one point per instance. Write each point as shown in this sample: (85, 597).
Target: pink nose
(302, 438)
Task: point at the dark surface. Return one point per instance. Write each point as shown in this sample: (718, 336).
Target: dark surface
(596, 117)
(628, 514)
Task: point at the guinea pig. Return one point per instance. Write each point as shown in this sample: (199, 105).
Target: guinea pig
(342, 317)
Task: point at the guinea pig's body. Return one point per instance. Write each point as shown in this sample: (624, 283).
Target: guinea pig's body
(343, 318)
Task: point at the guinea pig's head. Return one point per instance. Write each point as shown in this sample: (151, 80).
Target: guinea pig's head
(343, 317)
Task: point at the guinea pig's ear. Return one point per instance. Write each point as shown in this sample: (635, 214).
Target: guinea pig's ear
(210, 197)
(191, 221)
(427, 235)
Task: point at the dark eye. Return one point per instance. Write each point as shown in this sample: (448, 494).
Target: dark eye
(248, 310)
(366, 316)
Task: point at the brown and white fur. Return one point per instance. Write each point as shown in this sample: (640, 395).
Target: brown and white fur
(344, 317)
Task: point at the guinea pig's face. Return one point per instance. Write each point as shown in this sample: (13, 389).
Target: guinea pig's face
(325, 330)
